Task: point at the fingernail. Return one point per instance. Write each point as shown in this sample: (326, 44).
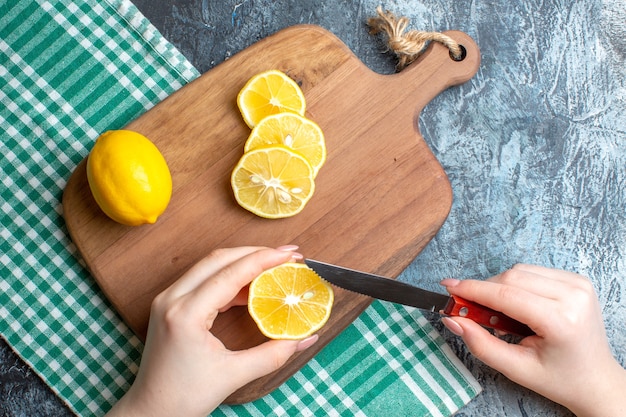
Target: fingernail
(449, 282)
(307, 343)
(453, 326)
(296, 256)
(288, 248)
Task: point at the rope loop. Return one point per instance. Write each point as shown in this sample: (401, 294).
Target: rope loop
(408, 46)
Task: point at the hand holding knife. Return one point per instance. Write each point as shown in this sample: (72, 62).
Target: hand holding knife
(398, 292)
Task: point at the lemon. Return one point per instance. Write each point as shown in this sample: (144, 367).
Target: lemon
(129, 177)
(267, 93)
(273, 181)
(290, 301)
(297, 132)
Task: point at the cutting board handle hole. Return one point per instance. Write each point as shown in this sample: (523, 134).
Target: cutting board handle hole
(461, 56)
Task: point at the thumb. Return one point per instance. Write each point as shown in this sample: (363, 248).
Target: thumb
(268, 357)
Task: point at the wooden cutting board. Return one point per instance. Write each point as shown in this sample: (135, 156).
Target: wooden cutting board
(379, 199)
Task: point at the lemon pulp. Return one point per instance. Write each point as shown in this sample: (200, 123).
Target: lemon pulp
(273, 182)
(290, 301)
(267, 93)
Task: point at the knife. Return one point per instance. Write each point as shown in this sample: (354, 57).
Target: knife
(398, 292)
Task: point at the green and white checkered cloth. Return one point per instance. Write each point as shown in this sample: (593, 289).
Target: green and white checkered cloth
(70, 70)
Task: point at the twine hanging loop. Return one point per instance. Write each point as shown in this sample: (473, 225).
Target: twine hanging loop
(408, 46)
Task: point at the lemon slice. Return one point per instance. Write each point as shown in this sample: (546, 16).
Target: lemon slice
(267, 93)
(298, 133)
(290, 301)
(273, 181)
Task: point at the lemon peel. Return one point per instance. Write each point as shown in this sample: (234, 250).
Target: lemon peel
(129, 177)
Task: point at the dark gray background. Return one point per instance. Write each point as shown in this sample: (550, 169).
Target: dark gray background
(534, 146)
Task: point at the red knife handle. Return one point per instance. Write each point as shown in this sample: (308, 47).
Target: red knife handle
(485, 316)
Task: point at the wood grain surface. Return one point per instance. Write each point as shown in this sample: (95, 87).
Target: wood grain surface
(380, 197)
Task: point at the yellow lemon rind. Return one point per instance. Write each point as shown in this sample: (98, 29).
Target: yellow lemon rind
(119, 194)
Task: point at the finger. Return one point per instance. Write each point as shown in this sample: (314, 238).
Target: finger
(208, 266)
(241, 299)
(518, 303)
(566, 277)
(547, 282)
(220, 289)
(531, 281)
(267, 357)
(512, 360)
(555, 274)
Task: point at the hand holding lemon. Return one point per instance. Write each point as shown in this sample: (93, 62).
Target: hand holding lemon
(185, 359)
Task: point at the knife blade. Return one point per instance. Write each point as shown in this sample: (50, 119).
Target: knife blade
(399, 292)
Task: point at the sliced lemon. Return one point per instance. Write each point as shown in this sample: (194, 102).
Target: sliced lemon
(273, 181)
(290, 301)
(294, 131)
(267, 93)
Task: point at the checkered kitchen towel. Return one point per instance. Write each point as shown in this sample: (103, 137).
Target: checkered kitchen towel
(69, 70)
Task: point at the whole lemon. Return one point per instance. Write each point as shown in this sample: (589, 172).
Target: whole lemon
(129, 177)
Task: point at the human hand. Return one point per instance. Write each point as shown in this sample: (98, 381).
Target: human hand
(569, 359)
(185, 370)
